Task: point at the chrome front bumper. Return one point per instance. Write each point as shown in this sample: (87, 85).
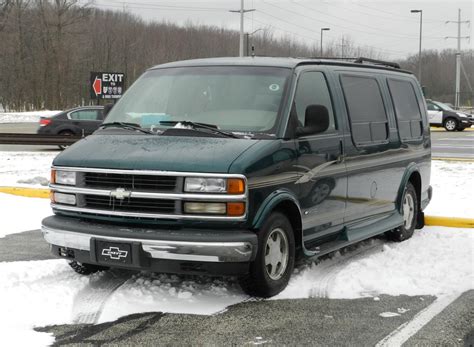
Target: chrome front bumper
(158, 249)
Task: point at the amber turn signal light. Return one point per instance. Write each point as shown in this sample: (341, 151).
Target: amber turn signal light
(235, 208)
(235, 186)
(53, 177)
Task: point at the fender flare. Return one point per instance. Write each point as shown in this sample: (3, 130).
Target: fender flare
(269, 204)
(411, 168)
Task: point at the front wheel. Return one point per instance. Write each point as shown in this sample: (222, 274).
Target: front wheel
(450, 124)
(271, 270)
(410, 214)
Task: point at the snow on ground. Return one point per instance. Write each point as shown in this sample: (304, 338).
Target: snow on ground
(12, 211)
(25, 117)
(35, 293)
(435, 261)
(453, 189)
(26, 169)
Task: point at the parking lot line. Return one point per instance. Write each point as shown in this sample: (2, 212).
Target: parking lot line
(408, 329)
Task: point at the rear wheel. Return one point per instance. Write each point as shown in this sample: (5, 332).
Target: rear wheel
(450, 124)
(86, 269)
(410, 214)
(270, 272)
(65, 133)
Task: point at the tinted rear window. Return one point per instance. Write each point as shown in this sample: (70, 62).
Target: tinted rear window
(366, 109)
(407, 109)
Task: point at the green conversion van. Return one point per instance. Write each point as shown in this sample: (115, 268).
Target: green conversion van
(238, 166)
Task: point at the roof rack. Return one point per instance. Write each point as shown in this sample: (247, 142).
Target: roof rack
(363, 60)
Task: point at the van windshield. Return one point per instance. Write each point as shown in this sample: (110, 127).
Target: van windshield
(233, 98)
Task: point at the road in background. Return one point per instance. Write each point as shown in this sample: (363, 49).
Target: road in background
(444, 144)
(452, 144)
(23, 128)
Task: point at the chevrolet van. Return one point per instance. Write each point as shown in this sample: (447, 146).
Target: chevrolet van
(240, 166)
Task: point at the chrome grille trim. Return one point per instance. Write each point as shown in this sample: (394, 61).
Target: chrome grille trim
(146, 195)
(144, 215)
(175, 195)
(147, 172)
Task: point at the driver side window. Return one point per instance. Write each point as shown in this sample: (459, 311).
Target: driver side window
(312, 89)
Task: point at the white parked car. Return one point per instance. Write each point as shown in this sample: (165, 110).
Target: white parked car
(442, 115)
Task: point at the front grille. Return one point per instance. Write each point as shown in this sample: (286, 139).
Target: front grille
(129, 181)
(138, 205)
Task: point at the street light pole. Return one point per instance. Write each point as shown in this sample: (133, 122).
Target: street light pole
(247, 39)
(419, 50)
(323, 29)
(242, 11)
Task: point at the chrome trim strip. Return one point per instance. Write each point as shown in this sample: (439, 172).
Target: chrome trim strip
(135, 194)
(149, 172)
(158, 249)
(148, 215)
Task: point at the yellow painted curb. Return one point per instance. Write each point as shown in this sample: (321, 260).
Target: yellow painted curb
(27, 192)
(443, 129)
(469, 160)
(453, 222)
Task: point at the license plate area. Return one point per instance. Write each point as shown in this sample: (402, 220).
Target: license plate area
(110, 252)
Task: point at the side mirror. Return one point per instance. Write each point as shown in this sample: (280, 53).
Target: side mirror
(107, 109)
(316, 120)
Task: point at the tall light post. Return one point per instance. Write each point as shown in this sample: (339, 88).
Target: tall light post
(242, 12)
(247, 39)
(322, 30)
(419, 51)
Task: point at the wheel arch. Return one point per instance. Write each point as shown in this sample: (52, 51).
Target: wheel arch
(284, 202)
(412, 175)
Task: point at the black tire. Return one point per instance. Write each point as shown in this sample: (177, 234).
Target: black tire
(406, 230)
(86, 269)
(259, 281)
(65, 133)
(450, 124)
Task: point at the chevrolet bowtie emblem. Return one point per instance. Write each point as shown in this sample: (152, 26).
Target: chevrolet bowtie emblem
(114, 253)
(120, 193)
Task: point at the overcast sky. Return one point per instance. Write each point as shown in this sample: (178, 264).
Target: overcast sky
(387, 26)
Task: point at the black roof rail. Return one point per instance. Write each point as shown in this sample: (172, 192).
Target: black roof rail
(362, 60)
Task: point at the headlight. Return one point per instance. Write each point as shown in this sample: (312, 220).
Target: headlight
(205, 207)
(214, 185)
(68, 199)
(462, 115)
(63, 177)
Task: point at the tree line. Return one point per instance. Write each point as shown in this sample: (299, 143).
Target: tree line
(49, 47)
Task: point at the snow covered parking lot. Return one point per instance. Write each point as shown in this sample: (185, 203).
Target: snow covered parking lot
(436, 261)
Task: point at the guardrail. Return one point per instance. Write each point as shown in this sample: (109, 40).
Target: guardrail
(37, 139)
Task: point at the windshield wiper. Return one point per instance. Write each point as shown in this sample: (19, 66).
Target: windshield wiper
(197, 125)
(125, 125)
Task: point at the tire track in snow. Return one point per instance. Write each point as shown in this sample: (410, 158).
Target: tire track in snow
(332, 267)
(90, 301)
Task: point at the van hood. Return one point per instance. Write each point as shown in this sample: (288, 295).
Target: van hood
(145, 152)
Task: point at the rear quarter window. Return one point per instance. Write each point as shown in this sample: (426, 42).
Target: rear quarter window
(407, 109)
(366, 109)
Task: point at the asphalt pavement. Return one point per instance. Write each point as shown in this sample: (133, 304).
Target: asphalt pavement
(452, 144)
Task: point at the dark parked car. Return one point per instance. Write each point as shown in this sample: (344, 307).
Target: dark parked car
(82, 120)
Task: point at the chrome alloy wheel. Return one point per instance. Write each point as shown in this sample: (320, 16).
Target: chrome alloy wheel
(450, 125)
(276, 254)
(408, 211)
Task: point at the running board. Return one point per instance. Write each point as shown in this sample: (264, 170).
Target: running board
(354, 235)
